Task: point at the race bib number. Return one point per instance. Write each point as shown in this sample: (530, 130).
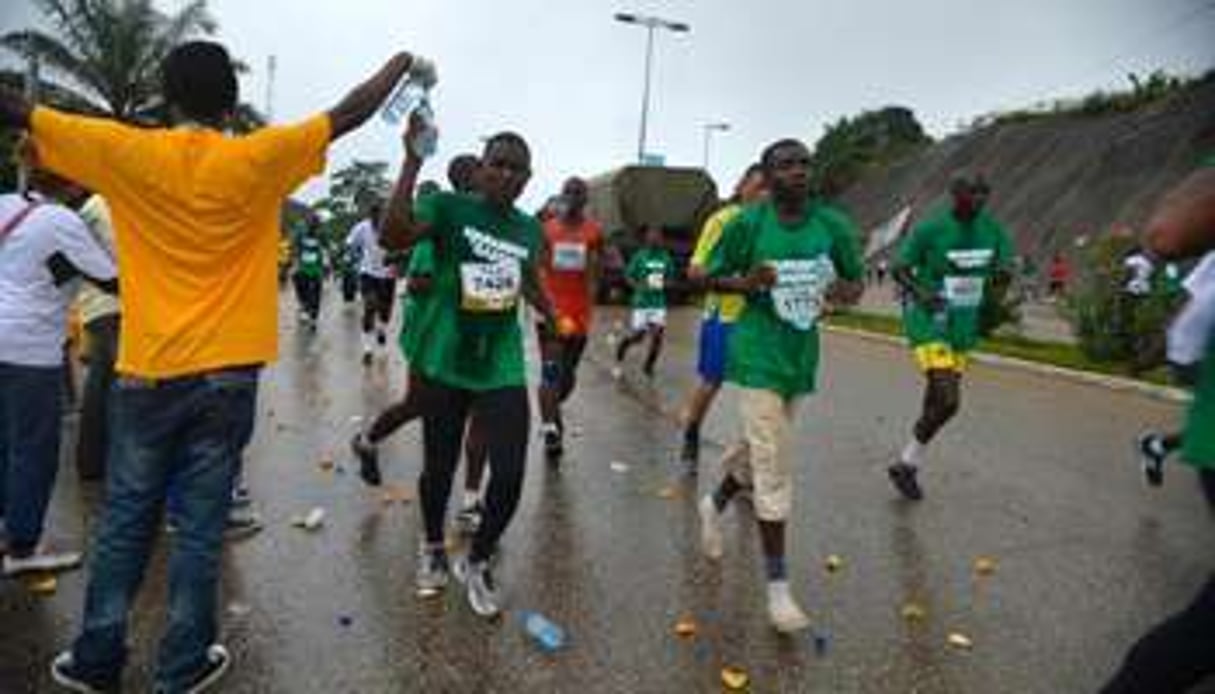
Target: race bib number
(310, 257)
(490, 287)
(655, 281)
(569, 256)
(797, 296)
(964, 292)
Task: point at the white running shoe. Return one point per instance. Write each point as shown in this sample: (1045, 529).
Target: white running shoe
(41, 560)
(711, 542)
(783, 611)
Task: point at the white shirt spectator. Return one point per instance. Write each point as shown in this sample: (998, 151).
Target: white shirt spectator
(33, 308)
(366, 239)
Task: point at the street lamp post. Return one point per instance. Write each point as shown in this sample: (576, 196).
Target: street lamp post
(710, 128)
(650, 23)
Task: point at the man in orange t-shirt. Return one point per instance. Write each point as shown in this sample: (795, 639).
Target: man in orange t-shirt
(195, 215)
(571, 268)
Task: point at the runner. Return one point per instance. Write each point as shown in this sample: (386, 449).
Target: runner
(1175, 656)
(377, 282)
(786, 255)
(1187, 342)
(486, 255)
(720, 312)
(573, 242)
(45, 248)
(346, 269)
(948, 266)
(196, 224)
(648, 274)
(309, 272)
(415, 317)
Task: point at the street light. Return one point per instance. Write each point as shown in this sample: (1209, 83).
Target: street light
(710, 128)
(650, 23)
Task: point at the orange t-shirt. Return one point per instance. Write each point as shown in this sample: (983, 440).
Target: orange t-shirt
(569, 252)
(196, 227)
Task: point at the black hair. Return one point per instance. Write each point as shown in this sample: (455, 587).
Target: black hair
(765, 159)
(198, 78)
(753, 169)
(459, 170)
(509, 138)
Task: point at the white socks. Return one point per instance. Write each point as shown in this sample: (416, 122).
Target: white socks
(913, 454)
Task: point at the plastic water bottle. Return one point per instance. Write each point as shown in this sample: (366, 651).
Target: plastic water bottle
(549, 636)
(409, 95)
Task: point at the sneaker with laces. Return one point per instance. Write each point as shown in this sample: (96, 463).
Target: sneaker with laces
(1152, 454)
(711, 542)
(40, 560)
(903, 477)
(431, 576)
(783, 611)
(369, 460)
(218, 661)
(482, 590)
(66, 674)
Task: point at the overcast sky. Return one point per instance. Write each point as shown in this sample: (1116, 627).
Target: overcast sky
(569, 78)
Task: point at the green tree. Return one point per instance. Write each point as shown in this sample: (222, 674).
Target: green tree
(850, 146)
(350, 190)
(106, 54)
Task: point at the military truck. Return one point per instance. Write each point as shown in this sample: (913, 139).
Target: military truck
(624, 200)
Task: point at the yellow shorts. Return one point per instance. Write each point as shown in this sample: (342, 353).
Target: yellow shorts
(938, 356)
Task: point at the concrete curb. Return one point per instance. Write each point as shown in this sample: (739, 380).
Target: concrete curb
(1165, 393)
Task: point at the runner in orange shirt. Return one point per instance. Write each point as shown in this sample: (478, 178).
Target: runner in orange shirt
(571, 268)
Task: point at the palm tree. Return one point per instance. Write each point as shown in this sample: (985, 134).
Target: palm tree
(108, 53)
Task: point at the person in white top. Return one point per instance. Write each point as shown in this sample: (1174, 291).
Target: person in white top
(99, 313)
(1188, 336)
(377, 280)
(45, 250)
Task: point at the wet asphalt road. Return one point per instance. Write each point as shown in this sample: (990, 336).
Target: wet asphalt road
(1036, 473)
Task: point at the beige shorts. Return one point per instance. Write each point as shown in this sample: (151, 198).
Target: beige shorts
(764, 457)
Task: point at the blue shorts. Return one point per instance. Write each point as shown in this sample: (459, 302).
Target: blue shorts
(714, 346)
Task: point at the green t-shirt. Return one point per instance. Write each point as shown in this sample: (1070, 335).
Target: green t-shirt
(481, 260)
(650, 269)
(1198, 440)
(309, 257)
(775, 343)
(416, 308)
(956, 262)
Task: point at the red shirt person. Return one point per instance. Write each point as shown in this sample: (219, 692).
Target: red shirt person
(573, 243)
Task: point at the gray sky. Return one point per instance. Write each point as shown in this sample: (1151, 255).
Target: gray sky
(569, 78)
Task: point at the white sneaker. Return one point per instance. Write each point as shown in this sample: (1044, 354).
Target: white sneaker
(783, 611)
(482, 590)
(430, 577)
(711, 542)
(617, 373)
(41, 560)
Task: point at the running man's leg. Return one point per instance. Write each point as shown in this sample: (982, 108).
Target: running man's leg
(367, 285)
(711, 367)
(410, 407)
(476, 454)
(442, 431)
(507, 445)
(942, 399)
(767, 423)
(736, 476)
(657, 334)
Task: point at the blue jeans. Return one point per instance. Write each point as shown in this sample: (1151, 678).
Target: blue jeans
(188, 430)
(31, 407)
(173, 501)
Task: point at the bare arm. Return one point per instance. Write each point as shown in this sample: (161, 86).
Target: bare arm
(362, 101)
(398, 229)
(1183, 224)
(14, 110)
